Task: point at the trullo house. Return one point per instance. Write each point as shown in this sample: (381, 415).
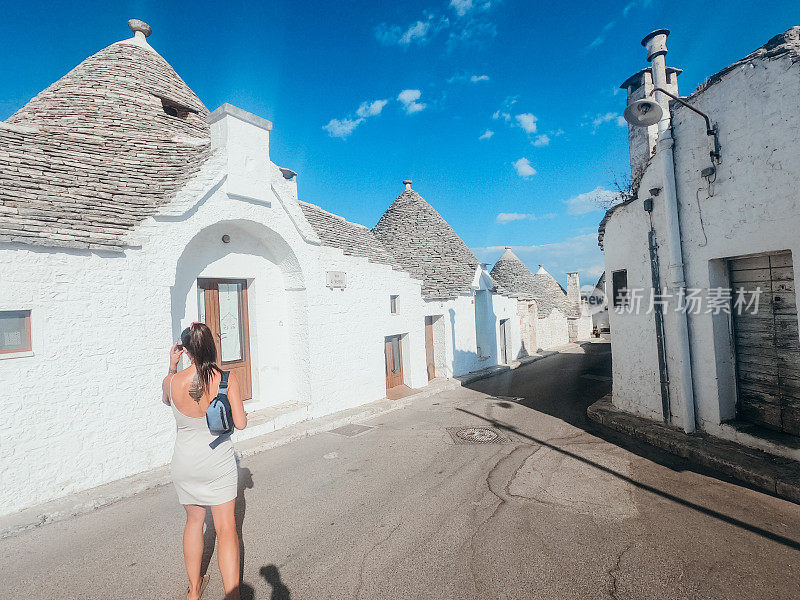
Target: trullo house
(127, 211)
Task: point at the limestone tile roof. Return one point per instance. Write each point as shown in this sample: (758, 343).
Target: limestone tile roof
(426, 246)
(549, 294)
(99, 150)
(351, 238)
(513, 278)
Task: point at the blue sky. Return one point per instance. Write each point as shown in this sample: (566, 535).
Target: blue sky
(364, 94)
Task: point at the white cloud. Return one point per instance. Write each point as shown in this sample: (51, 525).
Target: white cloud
(486, 134)
(524, 168)
(461, 7)
(370, 109)
(501, 115)
(409, 100)
(419, 32)
(542, 140)
(504, 218)
(587, 202)
(527, 121)
(608, 117)
(577, 253)
(477, 78)
(342, 128)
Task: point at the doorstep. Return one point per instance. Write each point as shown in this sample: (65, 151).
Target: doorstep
(777, 475)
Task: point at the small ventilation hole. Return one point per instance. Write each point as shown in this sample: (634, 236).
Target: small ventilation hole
(174, 109)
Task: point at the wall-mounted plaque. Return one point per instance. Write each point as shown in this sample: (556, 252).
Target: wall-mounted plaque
(336, 279)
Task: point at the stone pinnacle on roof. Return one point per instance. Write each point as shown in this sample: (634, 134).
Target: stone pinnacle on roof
(407, 183)
(140, 28)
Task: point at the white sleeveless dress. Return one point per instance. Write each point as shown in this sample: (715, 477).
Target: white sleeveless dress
(204, 467)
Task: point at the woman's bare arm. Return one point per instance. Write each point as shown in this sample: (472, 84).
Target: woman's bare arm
(174, 358)
(237, 404)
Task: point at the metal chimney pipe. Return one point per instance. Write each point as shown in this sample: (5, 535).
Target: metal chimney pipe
(656, 45)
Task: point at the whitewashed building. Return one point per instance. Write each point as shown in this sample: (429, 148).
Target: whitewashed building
(549, 316)
(127, 211)
(716, 218)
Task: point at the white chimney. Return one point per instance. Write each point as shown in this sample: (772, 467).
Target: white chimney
(642, 140)
(245, 140)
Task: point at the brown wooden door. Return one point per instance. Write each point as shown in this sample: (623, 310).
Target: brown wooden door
(503, 342)
(223, 307)
(394, 362)
(429, 356)
(767, 343)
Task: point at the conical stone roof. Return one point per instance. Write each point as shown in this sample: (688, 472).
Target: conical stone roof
(549, 294)
(99, 150)
(426, 246)
(512, 277)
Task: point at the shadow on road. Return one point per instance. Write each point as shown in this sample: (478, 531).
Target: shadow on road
(788, 542)
(273, 577)
(564, 386)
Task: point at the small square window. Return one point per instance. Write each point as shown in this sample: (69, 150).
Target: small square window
(15, 331)
(619, 286)
(393, 304)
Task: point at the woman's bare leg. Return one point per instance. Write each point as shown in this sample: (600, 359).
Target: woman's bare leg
(227, 548)
(193, 546)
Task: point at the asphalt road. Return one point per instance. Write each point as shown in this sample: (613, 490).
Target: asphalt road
(559, 510)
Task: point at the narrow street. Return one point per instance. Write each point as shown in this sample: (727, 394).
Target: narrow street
(557, 510)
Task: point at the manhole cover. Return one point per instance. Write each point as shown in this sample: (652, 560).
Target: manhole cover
(475, 435)
(351, 430)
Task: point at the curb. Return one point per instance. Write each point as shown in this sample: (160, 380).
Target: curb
(84, 502)
(776, 475)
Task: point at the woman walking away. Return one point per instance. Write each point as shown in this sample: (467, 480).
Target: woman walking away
(204, 468)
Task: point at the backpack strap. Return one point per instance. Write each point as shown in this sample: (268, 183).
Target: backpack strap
(223, 384)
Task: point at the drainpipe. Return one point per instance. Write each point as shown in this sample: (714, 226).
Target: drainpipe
(656, 45)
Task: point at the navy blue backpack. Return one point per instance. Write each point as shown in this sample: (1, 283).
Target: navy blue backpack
(219, 415)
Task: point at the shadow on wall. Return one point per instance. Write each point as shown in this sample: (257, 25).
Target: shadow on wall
(483, 336)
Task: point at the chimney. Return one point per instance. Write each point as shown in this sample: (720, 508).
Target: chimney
(642, 140)
(244, 138)
(574, 289)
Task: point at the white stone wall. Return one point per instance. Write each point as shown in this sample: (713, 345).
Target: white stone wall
(552, 330)
(754, 208)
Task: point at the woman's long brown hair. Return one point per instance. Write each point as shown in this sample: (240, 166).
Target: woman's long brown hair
(199, 343)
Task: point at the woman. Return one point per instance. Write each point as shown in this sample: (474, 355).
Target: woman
(204, 474)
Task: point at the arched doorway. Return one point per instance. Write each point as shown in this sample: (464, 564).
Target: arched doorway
(245, 282)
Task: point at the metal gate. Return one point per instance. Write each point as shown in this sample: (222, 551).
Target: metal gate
(767, 343)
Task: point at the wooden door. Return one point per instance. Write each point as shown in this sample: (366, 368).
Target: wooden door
(394, 362)
(429, 355)
(223, 307)
(503, 349)
(767, 343)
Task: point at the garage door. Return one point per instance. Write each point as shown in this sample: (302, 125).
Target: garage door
(767, 343)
